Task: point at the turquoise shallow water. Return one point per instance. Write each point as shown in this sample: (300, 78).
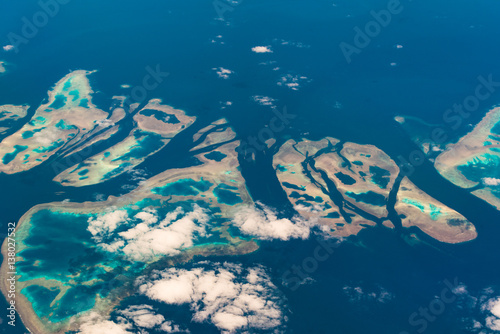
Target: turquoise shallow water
(8, 157)
(183, 187)
(41, 298)
(60, 247)
(445, 48)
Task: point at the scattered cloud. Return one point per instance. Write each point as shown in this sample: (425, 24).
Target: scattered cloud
(357, 294)
(490, 181)
(223, 73)
(262, 222)
(135, 175)
(292, 81)
(479, 311)
(95, 324)
(105, 224)
(262, 49)
(269, 62)
(493, 319)
(144, 236)
(291, 43)
(104, 123)
(217, 40)
(139, 319)
(264, 100)
(98, 197)
(143, 316)
(225, 104)
(8, 47)
(234, 299)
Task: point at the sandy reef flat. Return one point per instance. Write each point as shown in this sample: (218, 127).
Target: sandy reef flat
(203, 184)
(157, 124)
(180, 213)
(345, 186)
(11, 112)
(64, 120)
(445, 224)
(474, 161)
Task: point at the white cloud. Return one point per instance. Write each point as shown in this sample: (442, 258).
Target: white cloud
(95, 324)
(268, 62)
(291, 43)
(490, 181)
(263, 100)
(262, 222)
(222, 72)
(494, 306)
(147, 238)
(493, 320)
(315, 208)
(222, 295)
(357, 294)
(143, 316)
(8, 47)
(225, 104)
(217, 40)
(105, 224)
(170, 327)
(292, 81)
(104, 123)
(437, 149)
(262, 49)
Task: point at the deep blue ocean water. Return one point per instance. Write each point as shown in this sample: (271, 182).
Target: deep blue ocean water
(446, 46)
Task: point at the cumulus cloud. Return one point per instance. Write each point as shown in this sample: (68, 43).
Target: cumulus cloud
(222, 72)
(104, 123)
(134, 319)
(48, 136)
(145, 317)
(263, 100)
(262, 49)
(478, 310)
(144, 236)
(262, 222)
(136, 176)
(357, 293)
(493, 319)
(490, 181)
(170, 327)
(315, 208)
(217, 40)
(233, 299)
(105, 224)
(8, 47)
(292, 43)
(225, 104)
(95, 324)
(292, 81)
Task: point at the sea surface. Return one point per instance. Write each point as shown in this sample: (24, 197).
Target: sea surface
(443, 48)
